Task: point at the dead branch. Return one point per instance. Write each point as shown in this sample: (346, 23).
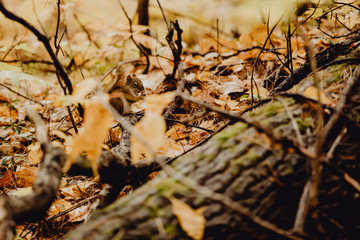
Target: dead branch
(33, 207)
(45, 41)
(322, 58)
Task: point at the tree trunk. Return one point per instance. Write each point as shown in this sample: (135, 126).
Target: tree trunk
(257, 163)
(143, 13)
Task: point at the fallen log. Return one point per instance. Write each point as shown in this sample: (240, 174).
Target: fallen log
(250, 177)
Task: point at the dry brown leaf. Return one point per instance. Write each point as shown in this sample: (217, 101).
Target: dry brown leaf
(259, 34)
(177, 132)
(209, 43)
(96, 123)
(7, 180)
(20, 192)
(197, 136)
(79, 214)
(246, 41)
(262, 91)
(191, 221)
(170, 148)
(58, 206)
(35, 154)
(312, 92)
(26, 176)
(78, 96)
(152, 127)
(5, 111)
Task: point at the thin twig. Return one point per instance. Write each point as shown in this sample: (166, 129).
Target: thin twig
(310, 193)
(307, 200)
(336, 143)
(139, 46)
(163, 14)
(176, 49)
(341, 104)
(86, 31)
(254, 64)
(57, 49)
(45, 41)
(293, 122)
(69, 209)
(19, 94)
(10, 48)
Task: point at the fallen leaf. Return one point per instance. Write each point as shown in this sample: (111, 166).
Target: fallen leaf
(259, 34)
(35, 154)
(20, 192)
(7, 180)
(97, 121)
(312, 92)
(263, 92)
(59, 205)
(78, 96)
(26, 176)
(152, 127)
(191, 221)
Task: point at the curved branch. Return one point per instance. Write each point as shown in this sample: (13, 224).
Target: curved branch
(42, 38)
(45, 41)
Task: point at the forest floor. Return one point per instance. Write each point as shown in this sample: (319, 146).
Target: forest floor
(224, 67)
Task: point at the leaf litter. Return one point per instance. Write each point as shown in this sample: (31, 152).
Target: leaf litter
(217, 73)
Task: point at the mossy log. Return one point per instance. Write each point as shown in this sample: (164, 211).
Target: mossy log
(259, 164)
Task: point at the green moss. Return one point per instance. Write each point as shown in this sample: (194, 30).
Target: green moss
(245, 160)
(230, 132)
(205, 156)
(303, 124)
(246, 202)
(289, 169)
(154, 204)
(170, 229)
(167, 186)
(271, 109)
(248, 158)
(353, 116)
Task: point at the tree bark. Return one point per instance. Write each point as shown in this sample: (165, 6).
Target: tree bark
(143, 11)
(258, 164)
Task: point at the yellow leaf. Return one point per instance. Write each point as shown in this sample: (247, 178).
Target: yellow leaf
(35, 154)
(83, 88)
(96, 123)
(312, 92)
(191, 221)
(152, 127)
(20, 192)
(80, 91)
(157, 103)
(259, 34)
(262, 91)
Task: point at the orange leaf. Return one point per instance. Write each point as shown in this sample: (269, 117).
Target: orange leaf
(152, 127)
(191, 221)
(312, 92)
(26, 176)
(96, 123)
